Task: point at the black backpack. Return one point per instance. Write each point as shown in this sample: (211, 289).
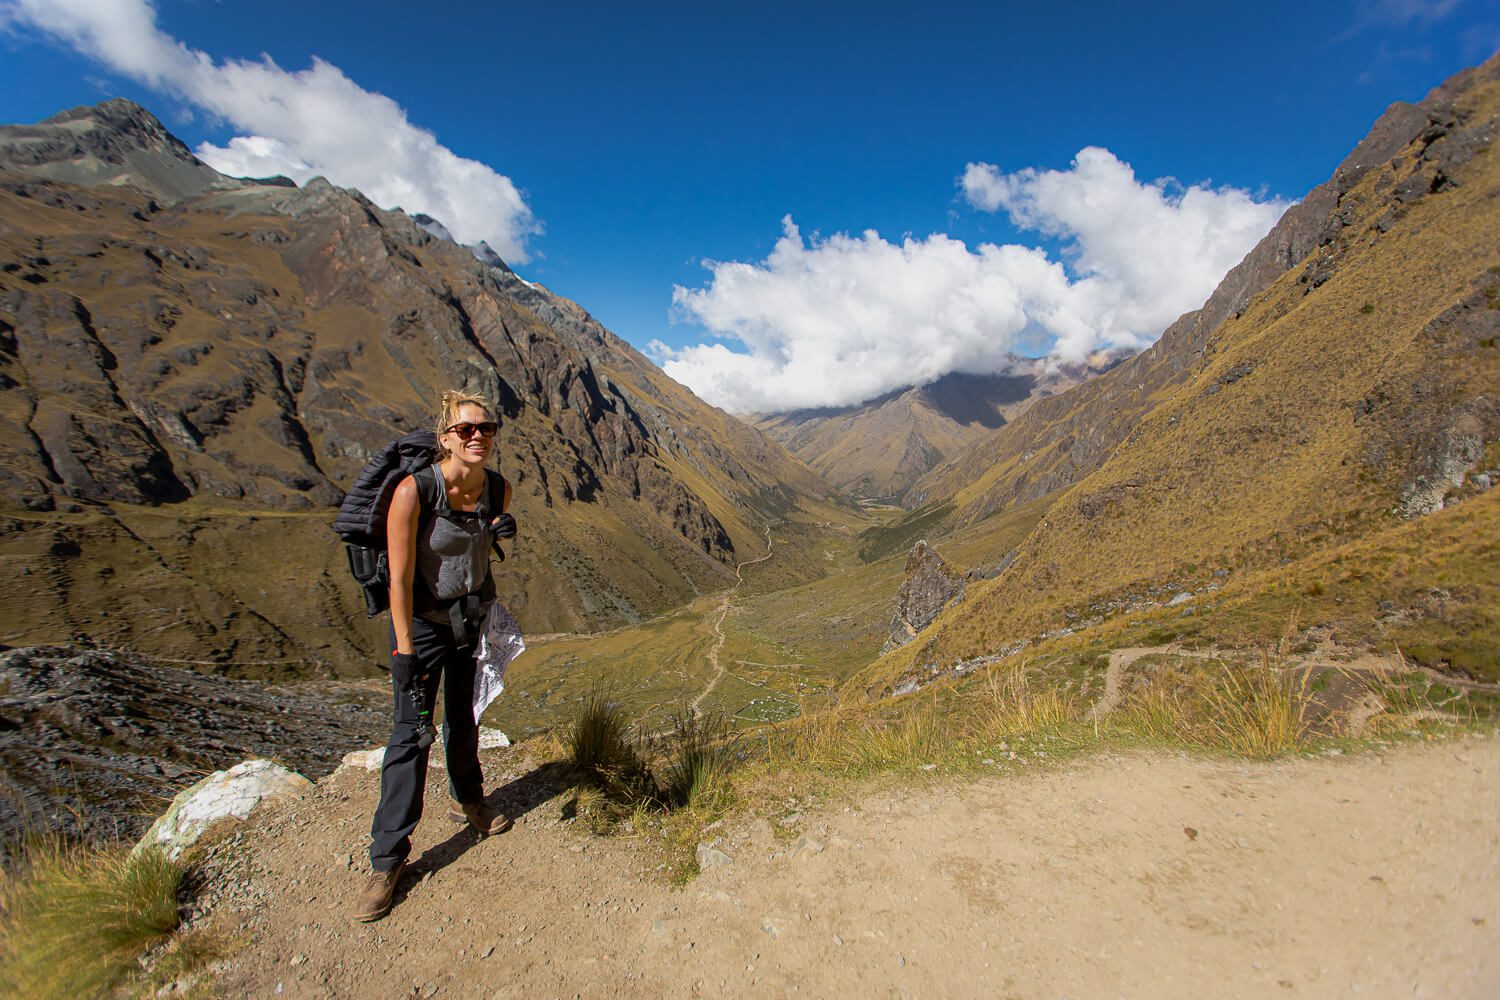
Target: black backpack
(361, 519)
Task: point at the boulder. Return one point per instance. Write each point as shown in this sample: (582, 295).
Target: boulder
(235, 792)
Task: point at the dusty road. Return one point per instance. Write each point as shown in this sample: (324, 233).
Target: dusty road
(1145, 875)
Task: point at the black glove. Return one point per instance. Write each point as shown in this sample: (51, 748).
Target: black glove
(504, 526)
(403, 671)
(402, 665)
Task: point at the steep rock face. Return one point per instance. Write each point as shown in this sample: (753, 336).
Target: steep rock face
(931, 584)
(253, 344)
(1061, 440)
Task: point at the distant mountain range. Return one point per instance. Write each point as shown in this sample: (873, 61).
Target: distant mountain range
(878, 449)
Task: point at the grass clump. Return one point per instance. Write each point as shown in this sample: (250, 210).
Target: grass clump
(686, 766)
(606, 753)
(74, 920)
(700, 753)
(1013, 708)
(1257, 711)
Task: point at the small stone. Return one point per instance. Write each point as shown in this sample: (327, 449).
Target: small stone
(712, 857)
(838, 940)
(769, 928)
(806, 847)
(297, 960)
(1191, 833)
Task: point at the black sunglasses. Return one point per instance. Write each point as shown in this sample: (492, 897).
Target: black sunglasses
(467, 430)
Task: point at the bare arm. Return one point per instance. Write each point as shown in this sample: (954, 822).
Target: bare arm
(401, 552)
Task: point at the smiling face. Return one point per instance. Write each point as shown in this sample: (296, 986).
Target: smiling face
(476, 447)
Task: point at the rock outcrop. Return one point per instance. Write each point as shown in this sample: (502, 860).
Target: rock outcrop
(931, 584)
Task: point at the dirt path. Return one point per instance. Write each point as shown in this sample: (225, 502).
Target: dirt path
(1148, 875)
(1120, 660)
(718, 644)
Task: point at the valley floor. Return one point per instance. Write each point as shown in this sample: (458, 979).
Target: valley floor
(1136, 875)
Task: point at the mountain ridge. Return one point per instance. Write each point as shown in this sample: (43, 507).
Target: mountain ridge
(1059, 442)
(172, 351)
(1352, 393)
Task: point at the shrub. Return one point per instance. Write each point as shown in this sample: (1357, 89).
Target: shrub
(603, 750)
(74, 920)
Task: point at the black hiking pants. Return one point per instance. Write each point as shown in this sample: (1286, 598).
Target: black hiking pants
(403, 776)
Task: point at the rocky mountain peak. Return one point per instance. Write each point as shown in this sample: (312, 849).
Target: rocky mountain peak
(116, 142)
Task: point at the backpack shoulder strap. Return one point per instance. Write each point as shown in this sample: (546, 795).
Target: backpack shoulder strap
(496, 487)
(429, 491)
(499, 491)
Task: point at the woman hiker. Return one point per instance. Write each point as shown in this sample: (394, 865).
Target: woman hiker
(442, 522)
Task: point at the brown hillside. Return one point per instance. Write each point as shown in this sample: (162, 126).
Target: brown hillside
(1061, 440)
(192, 380)
(1355, 392)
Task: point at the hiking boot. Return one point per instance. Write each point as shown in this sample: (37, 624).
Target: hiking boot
(481, 817)
(379, 893)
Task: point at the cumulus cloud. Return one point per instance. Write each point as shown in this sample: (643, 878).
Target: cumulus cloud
(301, 124)
(838, 320)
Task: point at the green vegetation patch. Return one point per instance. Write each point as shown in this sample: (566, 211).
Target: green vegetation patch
(75, 920)
(889, 539)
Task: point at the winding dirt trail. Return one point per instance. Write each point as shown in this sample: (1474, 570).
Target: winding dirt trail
(718, 643)
(1137, 875)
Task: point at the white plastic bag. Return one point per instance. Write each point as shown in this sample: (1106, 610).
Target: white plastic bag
(499, 642)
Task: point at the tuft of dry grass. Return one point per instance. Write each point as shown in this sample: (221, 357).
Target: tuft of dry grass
(74, 920)
(1257, 711)
(1013, 708)
(606, 753)
(1156, 714)
(700, 753)
(688, 766)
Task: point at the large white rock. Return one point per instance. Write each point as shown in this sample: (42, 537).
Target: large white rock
(368, 760)
(489, 738)
(235, 792)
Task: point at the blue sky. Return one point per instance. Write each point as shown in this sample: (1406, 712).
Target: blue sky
(628, 144)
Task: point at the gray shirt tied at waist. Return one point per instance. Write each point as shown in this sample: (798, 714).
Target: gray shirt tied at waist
(453, 550)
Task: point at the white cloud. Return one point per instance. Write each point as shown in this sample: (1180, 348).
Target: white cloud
(836, 321)
(302, 124)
